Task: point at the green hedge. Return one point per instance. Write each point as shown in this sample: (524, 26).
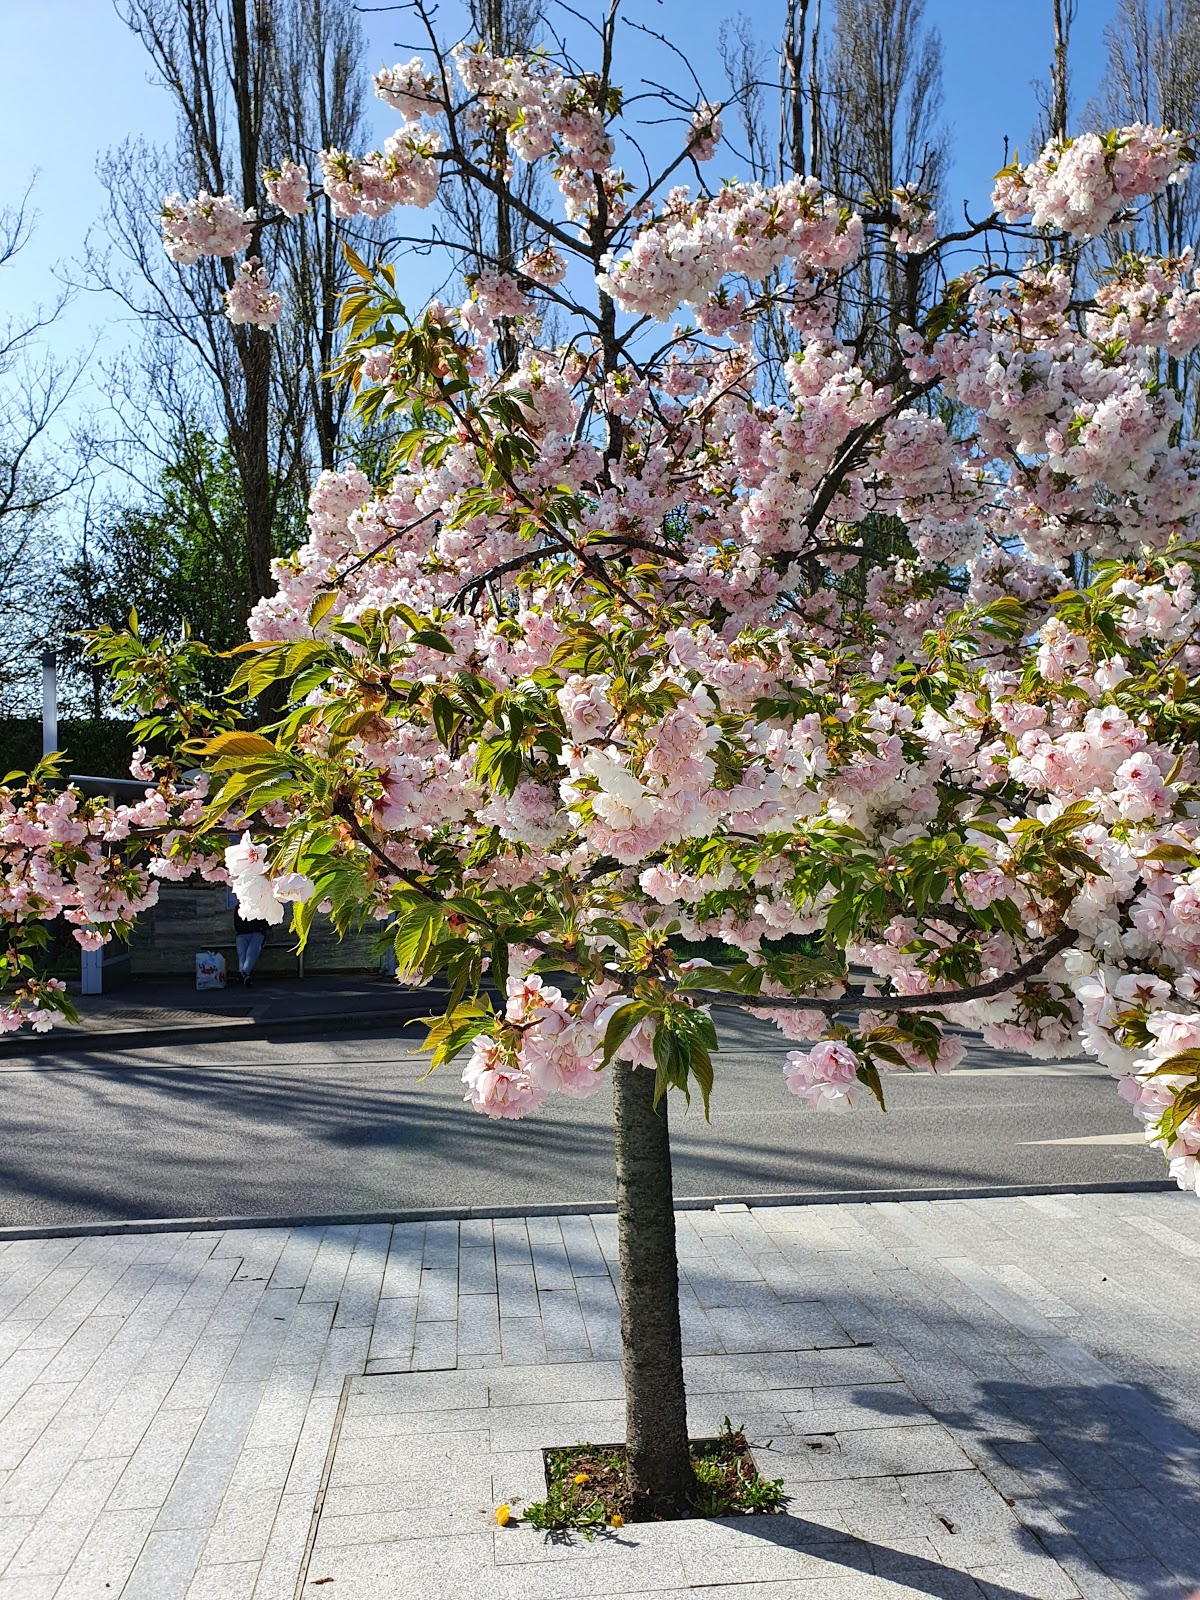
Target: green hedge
(101, 749)
(723, 955)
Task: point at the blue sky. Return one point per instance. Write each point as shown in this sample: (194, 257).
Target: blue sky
(74, 81)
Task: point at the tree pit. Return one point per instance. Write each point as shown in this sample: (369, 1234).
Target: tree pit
(587, 1487)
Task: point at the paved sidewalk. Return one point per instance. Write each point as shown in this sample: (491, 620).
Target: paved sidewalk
(172, 1010)
(964, 1398)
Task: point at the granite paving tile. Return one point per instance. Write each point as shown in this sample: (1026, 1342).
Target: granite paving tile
(963, 1399)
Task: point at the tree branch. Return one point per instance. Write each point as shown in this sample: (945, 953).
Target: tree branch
(933, 1001)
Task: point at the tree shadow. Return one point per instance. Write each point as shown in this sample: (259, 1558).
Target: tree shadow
(158, 1134)
(934, 1575)
(136, 1139)
(1105, 1474)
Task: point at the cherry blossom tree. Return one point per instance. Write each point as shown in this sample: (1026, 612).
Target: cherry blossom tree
(592, 670)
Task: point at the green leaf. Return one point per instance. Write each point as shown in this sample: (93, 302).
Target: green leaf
(672, 1052)
(1077, 815)
(869, 1075)
(414, 932)
(702, 1071)
(620, 1025)
(321, 607)
(239, 744)
(358, 264)
(445, 718)
(433, 640)
(1187, 1061)
(712, 978)
(448, 1034)
(1172, 852)
(500, 962)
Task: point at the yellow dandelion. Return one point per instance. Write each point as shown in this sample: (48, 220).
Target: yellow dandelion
(503, 1515)
(581, 1477)
(616, 1520)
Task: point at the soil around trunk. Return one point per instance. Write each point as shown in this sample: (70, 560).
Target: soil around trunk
(588, 1489)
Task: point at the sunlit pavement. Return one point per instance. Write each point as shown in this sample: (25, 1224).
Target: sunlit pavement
(963, 1399)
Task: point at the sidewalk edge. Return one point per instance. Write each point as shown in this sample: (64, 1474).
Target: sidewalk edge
(576, 1208)
(64, 1041)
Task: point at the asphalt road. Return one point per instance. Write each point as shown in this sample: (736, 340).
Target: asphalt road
(343, 1125)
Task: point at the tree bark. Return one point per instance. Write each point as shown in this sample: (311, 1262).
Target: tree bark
(254, 463)
(659, 1466)
(1064, 15)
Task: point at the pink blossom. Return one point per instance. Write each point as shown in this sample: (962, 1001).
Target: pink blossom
(291, 887)
(825, 1077)
(408, 87)
(139, 767)
(251, 299)
(206, 226)
(544, 266)
(404, 173)
(288, 188)
(1080, 185)
(496, 1086)
(706, 131)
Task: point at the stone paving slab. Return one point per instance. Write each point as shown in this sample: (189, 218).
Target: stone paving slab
(372, 1540)
(968, 1398)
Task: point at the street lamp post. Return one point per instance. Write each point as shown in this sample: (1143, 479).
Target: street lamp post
(49, 703)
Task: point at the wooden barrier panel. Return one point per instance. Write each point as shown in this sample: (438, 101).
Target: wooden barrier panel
(194, 916)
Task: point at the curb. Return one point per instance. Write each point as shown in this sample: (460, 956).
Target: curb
(578, 1208)
(89, 1041)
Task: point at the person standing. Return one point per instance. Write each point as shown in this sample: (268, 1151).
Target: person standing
(250, 934)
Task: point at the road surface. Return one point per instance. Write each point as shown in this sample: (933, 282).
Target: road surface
(331, 1124)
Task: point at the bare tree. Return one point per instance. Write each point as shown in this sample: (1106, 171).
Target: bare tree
(859, 108)
(1060, 96)
(251, 80)
(1152, 74)
(881, 70)
(495, 231)
(36, 472)
(745, 60)
(316, 102)
(799, 53)
(1053, 93)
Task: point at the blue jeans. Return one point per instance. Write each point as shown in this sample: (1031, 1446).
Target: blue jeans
(249, 948)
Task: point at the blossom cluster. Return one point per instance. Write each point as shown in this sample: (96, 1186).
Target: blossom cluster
(288, 188)
(542, 1049)
(62, 855)
(251, 299)
(262, 895)
(831, 1078)
(1105, 473)
(1081, 185)
(916, 230)
(541, 112)
(404, 173)
(681, 256)
(208, 225)
(493, 295)
(1153, 304)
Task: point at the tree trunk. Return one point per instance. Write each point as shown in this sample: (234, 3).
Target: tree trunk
(254, 462)
(660, 1474)
(253, 41)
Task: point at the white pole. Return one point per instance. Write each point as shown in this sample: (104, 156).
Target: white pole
(49, 703)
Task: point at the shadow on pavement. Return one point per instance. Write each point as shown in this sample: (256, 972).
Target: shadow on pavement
(1108, 1470)
(151, 1140)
